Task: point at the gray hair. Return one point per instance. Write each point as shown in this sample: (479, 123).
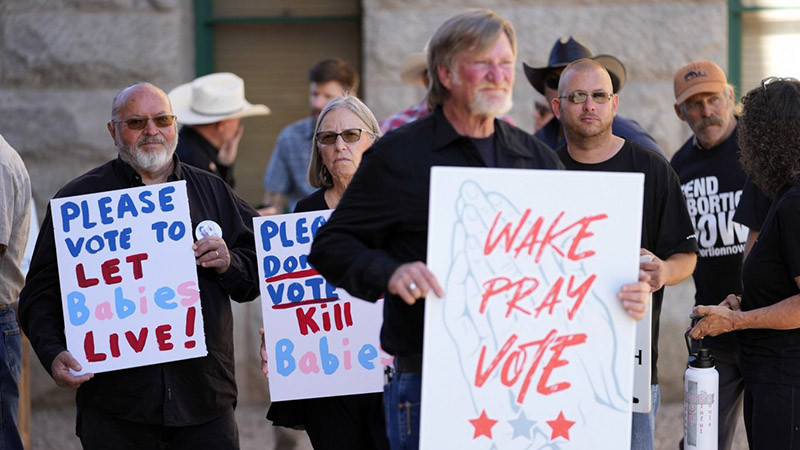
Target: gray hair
(318, 175)
(475, 30)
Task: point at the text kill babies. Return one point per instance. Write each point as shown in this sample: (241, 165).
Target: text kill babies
(292, 284)
(128, 296)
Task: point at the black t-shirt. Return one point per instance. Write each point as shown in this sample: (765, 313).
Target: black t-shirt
(712, 184)
(314, 202)
(768, 275)
(666, 227)
(753, 207)
(486, 148)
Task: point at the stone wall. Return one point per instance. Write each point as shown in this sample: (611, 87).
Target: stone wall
(61, 62)
(652, 38)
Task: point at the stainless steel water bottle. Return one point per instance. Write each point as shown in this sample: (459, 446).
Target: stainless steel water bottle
(700, 401)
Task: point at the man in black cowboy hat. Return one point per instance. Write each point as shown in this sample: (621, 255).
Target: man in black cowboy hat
(545, 81)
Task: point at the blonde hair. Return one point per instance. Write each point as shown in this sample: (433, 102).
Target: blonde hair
(476, 31)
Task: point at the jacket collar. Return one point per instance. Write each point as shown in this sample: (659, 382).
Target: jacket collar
(509, 148)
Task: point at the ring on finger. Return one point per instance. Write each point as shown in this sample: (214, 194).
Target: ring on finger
(216, 252)
(412, 286)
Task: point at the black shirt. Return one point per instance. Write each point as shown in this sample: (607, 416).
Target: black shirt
(773, 356)
(314, 202)
(753, 207)
(666, 227)
(382, 220)
(195, 150)
(712, 182)
(179, 393)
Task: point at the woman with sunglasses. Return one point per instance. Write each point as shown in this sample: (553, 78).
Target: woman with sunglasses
(767, 315)
(345, 129)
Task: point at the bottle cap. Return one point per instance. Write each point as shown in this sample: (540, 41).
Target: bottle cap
(703, 360)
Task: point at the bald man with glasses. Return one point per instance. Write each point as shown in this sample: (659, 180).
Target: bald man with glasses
(179, 404)
(586, 105)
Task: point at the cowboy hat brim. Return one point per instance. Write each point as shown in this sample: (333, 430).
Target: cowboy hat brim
(181, 99)
(413, 69)
(614, 66)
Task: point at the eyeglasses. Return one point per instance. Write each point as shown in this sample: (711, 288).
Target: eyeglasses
(350, 135)
(769, 80)
(581, 96)
(139, 123)
(552, 80)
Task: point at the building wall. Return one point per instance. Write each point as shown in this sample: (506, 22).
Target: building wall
(652, 39)
(61, 61)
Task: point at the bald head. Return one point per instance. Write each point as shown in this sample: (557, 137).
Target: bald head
(583, 66)
(127, 93)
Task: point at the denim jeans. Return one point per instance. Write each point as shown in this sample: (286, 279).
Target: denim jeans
(643, 429)
(10, 370)
(401, 401)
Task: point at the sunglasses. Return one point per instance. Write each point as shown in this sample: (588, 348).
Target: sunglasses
(581, 96)
(552, 80)
(349, 136)
(769, 80)
(139, 123)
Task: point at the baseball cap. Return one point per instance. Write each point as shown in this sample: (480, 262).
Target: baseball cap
(698, 77)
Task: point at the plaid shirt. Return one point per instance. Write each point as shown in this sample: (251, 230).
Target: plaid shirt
(413, 113)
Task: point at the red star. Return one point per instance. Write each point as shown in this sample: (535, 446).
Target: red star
(483, 425)
(560, 426)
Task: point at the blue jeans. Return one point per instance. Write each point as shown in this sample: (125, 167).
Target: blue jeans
(401, 402)
(10, 369)
(643, 429)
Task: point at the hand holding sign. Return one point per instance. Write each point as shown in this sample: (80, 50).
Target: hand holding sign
(62, 371)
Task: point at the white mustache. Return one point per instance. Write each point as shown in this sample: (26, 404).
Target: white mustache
(151, 140)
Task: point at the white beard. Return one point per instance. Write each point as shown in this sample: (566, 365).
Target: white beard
(147, 162)
(482, 106)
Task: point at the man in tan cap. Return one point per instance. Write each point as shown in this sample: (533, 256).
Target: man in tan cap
(712, 181)
(210, 108)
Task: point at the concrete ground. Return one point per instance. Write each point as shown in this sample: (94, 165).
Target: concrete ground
(56, 430)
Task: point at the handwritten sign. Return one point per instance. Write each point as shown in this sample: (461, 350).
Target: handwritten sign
(321, 341)
(128, 277)
(530, 348)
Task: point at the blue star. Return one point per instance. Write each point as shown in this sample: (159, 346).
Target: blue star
(522, 426)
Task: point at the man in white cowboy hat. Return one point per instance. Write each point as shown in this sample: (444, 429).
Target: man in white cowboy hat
(545, 81)
(210, 108)
(414, 72)
(285, 178)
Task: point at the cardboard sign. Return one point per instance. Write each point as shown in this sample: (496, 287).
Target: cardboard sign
(530, 348)
(321, 341)
(128, 277)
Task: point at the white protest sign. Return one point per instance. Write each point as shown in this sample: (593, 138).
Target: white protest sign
(530, 348)
(128, 277)
(320, 340)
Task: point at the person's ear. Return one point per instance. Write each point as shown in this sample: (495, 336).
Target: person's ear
(679, 112)
(555, 105)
